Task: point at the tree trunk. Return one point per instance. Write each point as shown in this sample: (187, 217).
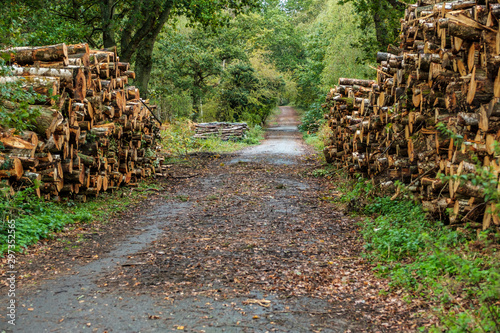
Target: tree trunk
(144, 63)
(108, 33)
(379, 30)
(145, 44)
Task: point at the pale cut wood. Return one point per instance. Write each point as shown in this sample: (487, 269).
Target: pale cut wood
(350, 82)
(471, 93)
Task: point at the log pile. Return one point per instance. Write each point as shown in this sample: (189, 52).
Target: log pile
(445, 71)
(93, 134)
(222, 130)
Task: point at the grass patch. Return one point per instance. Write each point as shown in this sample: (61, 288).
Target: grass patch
(177, 140)
(317, 139)
(37, 219)
(455, 271)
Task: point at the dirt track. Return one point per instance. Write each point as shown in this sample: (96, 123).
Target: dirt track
(245, 244)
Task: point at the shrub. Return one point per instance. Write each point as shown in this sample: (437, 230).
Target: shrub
(312, 119)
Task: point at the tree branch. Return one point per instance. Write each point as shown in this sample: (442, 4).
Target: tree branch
(151, 25)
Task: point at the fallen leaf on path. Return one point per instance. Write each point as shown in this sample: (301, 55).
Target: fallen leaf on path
(262, 302)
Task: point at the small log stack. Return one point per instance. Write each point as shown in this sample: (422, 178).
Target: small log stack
(93, 134)
(445, 70)
(224, 131)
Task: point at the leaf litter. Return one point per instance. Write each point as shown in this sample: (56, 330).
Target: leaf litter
(265, 227)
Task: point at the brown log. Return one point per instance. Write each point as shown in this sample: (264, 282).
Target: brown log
(16, 142)
(463, 31)
(79, 59)
(66, 74)
(78, 49)
(29, 55)
(77, 176)
(15, 171)
(130, 74)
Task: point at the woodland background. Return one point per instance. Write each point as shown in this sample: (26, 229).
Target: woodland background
(225, 60)
(220, 60)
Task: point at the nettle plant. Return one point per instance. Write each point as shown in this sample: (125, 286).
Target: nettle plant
(484, 177)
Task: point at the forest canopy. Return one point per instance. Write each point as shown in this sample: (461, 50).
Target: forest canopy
(219, 60)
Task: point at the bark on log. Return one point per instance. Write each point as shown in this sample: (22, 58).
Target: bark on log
(28, 55)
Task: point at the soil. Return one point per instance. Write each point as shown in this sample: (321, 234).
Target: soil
(244, 242)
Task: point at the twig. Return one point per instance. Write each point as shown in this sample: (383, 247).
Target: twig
(472, 210)
(134, 264)
(147, 189)
(150, 111)
(182, 177)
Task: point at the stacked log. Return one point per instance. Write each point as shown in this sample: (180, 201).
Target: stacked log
(222, 130)
(445, 70)
(93, 134)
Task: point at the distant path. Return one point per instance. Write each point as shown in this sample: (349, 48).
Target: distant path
(283, 142)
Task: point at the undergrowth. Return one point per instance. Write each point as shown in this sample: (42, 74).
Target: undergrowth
(37, 219)
(455, 271)
(317, 139)
(312, 118)
(177, 139)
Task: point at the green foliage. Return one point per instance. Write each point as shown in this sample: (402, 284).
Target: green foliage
(398, 231)
(445, 131)
(455, 273)
(381, 16)
(247, 94)
(224, 83)
(185, 62)
(132, 25)
(326, 172)
(239, 81)
(34, 218)
(318, 139)
(344, 53)
(254, 136)
(356, 189)
(275, 33)
(177, 138)
(37, 22)
(290, 90)
(14, 102)
(37, 219)
(313, 118)
(331, 47)
(172, 103)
